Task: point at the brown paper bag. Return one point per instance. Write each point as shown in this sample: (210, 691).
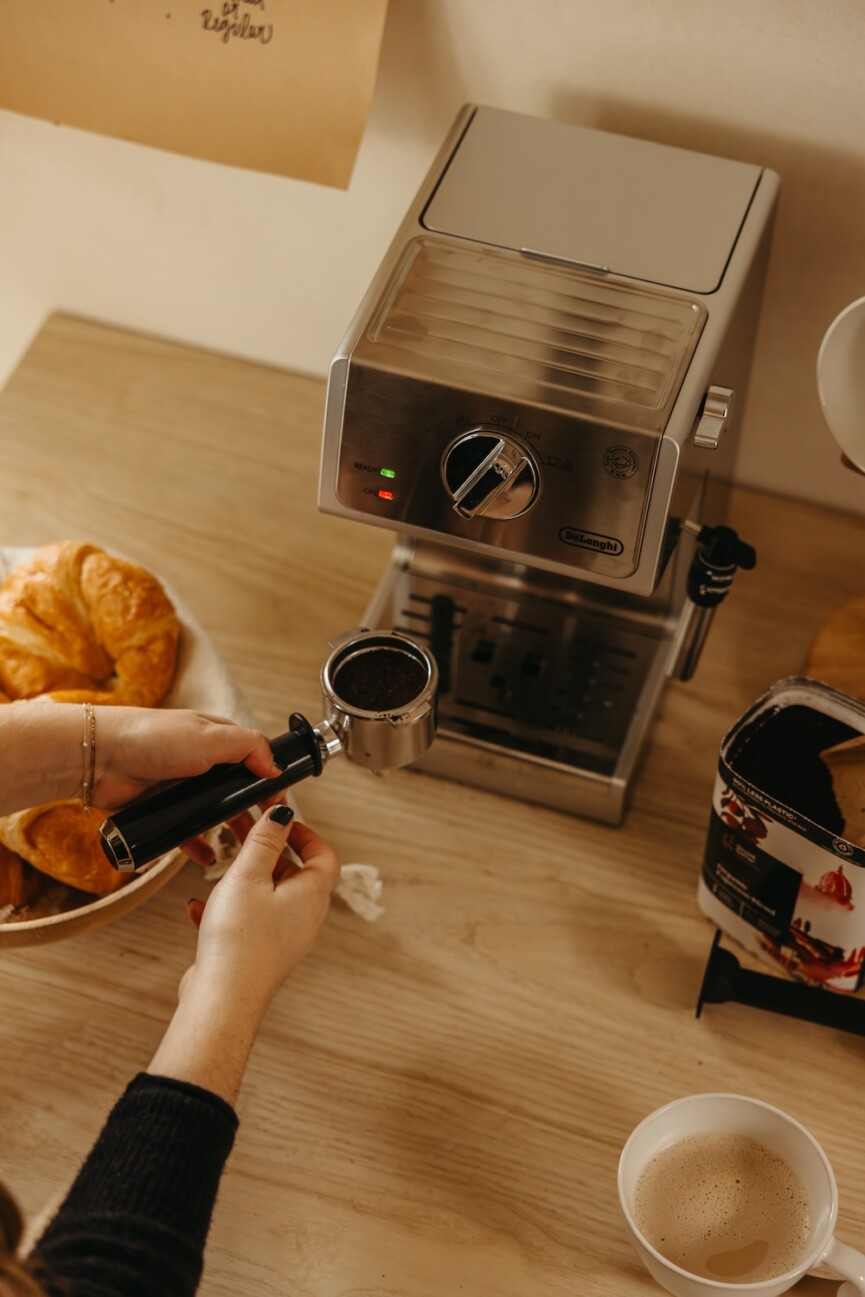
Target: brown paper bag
(846, 763)
(281, 86)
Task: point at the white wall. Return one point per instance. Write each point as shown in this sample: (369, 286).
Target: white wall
(272, 269)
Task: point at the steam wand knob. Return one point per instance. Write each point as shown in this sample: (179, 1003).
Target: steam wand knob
(719, 556)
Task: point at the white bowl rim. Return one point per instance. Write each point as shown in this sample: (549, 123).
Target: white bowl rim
(852, 443)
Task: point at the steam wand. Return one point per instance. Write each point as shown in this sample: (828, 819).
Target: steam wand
(719, 556)
(725, 979)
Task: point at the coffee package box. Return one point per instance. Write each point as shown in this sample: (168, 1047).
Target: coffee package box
(780, 875)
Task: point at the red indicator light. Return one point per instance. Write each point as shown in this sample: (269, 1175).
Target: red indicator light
(385, 495)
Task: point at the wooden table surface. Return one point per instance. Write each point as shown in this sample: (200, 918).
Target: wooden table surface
(437, 1101)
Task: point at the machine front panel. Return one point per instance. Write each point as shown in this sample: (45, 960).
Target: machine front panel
(593, 479)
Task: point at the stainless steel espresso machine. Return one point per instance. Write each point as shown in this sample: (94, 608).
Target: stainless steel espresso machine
(540, 394)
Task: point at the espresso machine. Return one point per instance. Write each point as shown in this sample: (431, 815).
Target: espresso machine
(540, 394)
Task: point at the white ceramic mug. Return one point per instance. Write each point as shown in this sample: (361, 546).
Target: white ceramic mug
(736, 1114)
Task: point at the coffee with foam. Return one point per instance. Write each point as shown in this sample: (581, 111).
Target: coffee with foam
(725, 1207)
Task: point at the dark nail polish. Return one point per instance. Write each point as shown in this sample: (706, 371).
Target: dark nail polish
(282, 814)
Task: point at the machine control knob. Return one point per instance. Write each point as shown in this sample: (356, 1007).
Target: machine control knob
(487, 472)
(713, 416)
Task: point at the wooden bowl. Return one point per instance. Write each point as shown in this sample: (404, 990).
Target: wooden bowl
(92, 914)
(837, 654)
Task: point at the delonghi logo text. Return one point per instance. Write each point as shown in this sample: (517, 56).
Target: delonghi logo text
(591, 540)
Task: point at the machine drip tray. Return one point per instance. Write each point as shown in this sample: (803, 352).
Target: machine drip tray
(543, 699)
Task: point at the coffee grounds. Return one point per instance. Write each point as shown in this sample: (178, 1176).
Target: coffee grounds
(380, 679)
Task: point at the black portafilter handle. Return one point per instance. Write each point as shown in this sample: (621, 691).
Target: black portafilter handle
(161, 821)
(725, 979)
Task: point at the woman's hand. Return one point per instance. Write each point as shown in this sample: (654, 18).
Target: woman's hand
(137, 747)
(42, 760)
(260, 920)
(264, 914)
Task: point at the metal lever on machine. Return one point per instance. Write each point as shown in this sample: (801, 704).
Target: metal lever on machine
(719, 555)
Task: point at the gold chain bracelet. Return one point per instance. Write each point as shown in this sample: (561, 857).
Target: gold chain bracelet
(88, 745)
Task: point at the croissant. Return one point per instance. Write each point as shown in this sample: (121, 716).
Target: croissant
(80, 625)
(77, 625)
(20, 883)
(61, 840)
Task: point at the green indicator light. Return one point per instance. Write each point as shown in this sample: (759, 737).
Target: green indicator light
(386, 472)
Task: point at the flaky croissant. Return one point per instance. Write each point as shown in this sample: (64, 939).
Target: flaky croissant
(20, 883)
(83, 626)
(61, 840)
(77, 625)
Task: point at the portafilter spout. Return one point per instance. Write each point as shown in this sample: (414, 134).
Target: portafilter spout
(379, 693)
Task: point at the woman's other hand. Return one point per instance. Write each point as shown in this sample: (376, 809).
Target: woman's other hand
(264, 914)
(260, 920)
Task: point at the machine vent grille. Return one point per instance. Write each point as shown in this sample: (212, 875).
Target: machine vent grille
(552, 682)
(499, 321)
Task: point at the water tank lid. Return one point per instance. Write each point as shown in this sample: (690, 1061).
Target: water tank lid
(647, 211)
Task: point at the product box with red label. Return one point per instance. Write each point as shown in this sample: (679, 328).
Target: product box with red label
(779, 875)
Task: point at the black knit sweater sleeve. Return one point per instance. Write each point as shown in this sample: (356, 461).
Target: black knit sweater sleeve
(135, 1221)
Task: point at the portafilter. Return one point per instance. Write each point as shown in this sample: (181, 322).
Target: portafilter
(379, 692)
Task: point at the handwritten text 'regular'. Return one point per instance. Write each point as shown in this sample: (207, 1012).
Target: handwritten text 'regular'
(231, 22)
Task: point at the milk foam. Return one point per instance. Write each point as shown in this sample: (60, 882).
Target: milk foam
(723, 1206)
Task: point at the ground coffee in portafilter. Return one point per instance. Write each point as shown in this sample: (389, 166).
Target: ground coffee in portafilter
(380, 679)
